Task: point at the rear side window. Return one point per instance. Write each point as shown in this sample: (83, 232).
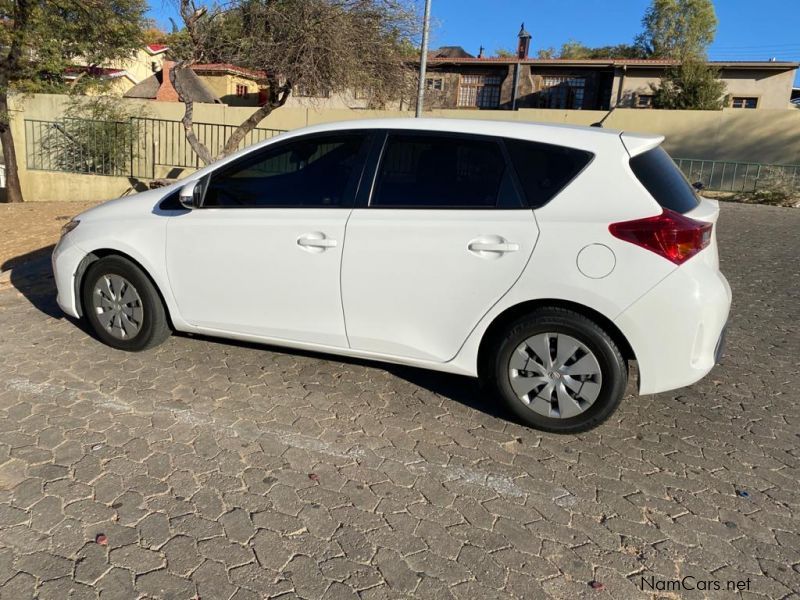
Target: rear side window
(544, 169)
(664, 180)
(440, 171)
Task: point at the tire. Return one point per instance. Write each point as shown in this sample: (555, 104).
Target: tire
(593, 378)
(139, 319)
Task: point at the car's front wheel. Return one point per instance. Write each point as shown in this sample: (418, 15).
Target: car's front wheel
(122, 305)
(558, 371)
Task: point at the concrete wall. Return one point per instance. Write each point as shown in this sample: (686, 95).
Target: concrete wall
(765, 136)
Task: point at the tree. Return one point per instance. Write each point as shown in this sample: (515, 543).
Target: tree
(576, 50)
(331, 45)
(41, 38)
(682, 30)
(692, 85)
(678, 28)
(504, 53)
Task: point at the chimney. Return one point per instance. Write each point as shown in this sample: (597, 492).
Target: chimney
(167, 93)
(524, 45)
(480, 52)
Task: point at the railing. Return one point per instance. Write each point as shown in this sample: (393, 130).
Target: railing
(728, 176)
(162, 143)
(139, 147)
(79, 146)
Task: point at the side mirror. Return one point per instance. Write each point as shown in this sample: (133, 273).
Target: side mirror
(191, 194)
(698, 185)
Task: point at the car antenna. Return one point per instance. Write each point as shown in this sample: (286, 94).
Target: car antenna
(603, 120)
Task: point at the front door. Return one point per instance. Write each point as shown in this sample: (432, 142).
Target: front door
(262, 256)
(444, 236)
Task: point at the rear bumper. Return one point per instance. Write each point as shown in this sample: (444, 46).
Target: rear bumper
(676, 329)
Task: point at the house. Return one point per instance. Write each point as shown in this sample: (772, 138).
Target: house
(233, 85)
(456, 79)
(122, 75)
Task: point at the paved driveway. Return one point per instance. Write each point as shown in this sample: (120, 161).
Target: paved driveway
(217, 470)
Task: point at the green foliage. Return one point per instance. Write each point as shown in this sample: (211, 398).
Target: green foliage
(693, 85)
(95, 136)
(504, 53)
(576, 50)
(41, 38)
(678, 28)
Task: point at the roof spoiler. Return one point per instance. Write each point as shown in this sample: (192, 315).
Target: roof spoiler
(637, 143)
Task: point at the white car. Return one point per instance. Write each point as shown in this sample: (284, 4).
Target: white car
(540, 258)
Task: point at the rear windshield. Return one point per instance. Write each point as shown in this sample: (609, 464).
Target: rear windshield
(664, 180)
(544, 169)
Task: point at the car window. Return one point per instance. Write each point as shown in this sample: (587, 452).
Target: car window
(664, 180)
(545, 169)
(440, 171)
(317, 171)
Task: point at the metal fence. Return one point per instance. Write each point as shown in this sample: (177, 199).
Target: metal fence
(140, 147)
(162, 143)
(727, 176)
(79, 146)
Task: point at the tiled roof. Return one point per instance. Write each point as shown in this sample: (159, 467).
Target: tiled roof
(229, 68)
(156, 48)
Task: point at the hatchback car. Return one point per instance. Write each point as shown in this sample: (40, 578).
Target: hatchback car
(540, 258)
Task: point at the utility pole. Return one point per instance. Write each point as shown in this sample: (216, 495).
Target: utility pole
(423, 59)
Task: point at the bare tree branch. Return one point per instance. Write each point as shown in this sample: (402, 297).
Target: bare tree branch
(333, 46)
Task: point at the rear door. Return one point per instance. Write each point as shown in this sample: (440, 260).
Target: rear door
(442, 237)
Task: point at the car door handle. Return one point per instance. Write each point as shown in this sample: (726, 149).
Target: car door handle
(501, 247)
(315, 242)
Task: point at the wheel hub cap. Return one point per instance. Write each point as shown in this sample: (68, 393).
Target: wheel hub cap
(118, 306)
(555, 375)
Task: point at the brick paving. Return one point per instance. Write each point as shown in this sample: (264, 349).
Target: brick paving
(30, 226)
(207, 469)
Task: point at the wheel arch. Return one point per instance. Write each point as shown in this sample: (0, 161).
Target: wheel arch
(514, 312)
(95, 255)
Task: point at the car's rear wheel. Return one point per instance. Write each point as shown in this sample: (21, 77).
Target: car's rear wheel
(558, 371)
(122, 305)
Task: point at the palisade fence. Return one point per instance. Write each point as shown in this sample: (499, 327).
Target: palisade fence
(143, 148)
(726, 176)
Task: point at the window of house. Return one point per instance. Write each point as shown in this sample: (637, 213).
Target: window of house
(315, 171)
(744, 102)
(434, 84)
(242, 90)
(644, 101)
(440, 171)
(563, 92)
(479, 91)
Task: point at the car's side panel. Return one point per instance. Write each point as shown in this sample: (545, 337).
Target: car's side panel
(576, 219)
(132, 226)
(411, 287)
(246, 271)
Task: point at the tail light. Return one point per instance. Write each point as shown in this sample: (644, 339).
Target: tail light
(672, 235)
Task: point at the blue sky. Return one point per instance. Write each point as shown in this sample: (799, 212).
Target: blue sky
(747, 30)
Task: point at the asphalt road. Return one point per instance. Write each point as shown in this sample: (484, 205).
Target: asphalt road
(221, 470)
